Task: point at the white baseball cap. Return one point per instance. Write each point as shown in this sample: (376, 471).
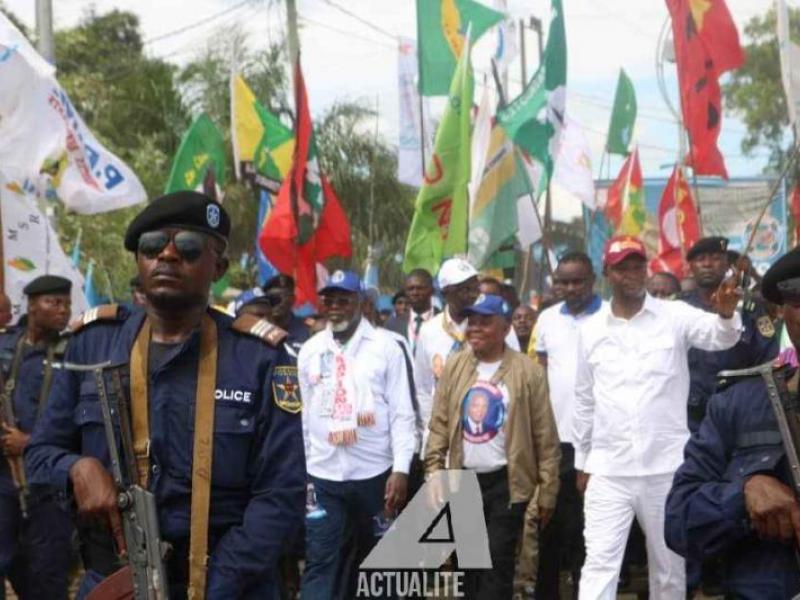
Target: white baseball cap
(454, 271)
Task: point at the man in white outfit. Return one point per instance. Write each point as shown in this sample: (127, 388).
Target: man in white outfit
(445, 333)
(629, 425)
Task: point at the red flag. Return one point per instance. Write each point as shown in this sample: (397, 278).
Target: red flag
(679, 226)
(706, 45)
(307, 225)
(615, 199)
(795, 206)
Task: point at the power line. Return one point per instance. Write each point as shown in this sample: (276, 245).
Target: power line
(349, 34)
(361, 19)
(196, 24)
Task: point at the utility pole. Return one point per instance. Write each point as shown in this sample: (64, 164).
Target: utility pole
(294, 38)
(44, 30)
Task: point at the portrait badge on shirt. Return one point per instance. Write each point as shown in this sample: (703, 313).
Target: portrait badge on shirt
(482, 413)
(286, 390)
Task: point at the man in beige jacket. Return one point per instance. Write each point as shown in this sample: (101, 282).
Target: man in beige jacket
(491, 414)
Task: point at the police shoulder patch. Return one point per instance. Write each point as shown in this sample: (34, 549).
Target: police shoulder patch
(105, 312)
(260, 328)
(765, 326)
(286, 390)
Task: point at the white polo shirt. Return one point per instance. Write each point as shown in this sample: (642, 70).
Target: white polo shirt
(557, 337)
(390, 442)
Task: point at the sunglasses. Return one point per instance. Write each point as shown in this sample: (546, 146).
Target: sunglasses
(790, 291)
(189, 244)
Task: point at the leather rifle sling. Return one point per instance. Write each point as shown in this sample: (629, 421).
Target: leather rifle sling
(140, 405)
(201, 459)
(203, 441)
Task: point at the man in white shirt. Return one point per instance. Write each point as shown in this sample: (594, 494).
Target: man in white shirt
(630, 424)
(561, 543)
(359, 433)
(445, 333)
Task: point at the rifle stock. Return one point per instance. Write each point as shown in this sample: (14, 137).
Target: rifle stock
(15, 463)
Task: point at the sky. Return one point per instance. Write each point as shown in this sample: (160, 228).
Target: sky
(349, 51)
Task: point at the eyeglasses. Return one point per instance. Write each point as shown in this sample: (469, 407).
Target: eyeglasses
(338, 301)
(272, 300)
(189, 244)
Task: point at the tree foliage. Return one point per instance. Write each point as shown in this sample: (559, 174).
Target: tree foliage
(755, 91)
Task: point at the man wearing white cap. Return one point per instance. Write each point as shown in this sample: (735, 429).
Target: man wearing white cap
(445, 333)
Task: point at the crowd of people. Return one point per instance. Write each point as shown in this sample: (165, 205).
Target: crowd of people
(280, 450)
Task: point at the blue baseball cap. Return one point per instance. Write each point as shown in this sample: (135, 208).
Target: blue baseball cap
(489, 304)
(247, 297)
(345, 281)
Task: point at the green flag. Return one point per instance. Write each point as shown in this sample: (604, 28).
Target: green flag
(441, 28)
(623, 117)
(200, 161)
(536, 116)
(439, 227)
(493, 219)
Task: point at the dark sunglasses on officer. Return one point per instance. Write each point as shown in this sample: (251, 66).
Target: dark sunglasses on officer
(189, 244)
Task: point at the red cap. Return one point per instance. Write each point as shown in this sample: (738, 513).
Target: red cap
(620, 247)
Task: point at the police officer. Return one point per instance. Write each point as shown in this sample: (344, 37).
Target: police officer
(709, 261)
(731, 496)
(186, 361)
(35, 530)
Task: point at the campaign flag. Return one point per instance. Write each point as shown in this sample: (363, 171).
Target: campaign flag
(415, 132)
(678, 223)
(41, 134)
(789, 53)
(307, 224)
(263, 147)
(795, 207)
(200, 162)
(441, 34)
(493, 217)
(506, 49)
(439, 226)
(625, 208)
(76, 250)
(706, 46)
(573, 170)
(29, 246)
(535, 118)
(623, 116)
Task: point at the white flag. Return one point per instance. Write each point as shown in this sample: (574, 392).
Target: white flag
(530, 229)
(790, 63)
(42, 134)
(481, 133)
(415, 133)
(507, 49)
(30, 245)
(573, 169)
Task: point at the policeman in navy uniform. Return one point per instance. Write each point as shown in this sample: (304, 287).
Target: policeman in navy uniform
(708, 260)
(732, 498)
(35, 547)
(256, 488)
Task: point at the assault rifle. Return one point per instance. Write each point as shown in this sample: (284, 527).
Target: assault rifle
(786, 408)
(16, 463)
(144, 577)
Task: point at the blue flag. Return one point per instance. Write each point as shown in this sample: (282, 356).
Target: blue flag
(92, 297)
(265, 269)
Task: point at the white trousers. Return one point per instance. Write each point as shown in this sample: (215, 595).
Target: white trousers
(609, 507)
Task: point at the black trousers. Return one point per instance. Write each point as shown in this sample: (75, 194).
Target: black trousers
(561, 544)
(504, 522)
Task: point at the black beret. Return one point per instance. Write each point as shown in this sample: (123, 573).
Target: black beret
(707, 244)
(786, 267)
(188, 209)
(48, 284)
(279, 280)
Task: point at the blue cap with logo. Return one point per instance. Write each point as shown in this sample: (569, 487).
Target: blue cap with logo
(344, 281)
(489, 304)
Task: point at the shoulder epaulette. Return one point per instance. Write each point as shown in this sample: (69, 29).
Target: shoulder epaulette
(105, 312)
(260, 328)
